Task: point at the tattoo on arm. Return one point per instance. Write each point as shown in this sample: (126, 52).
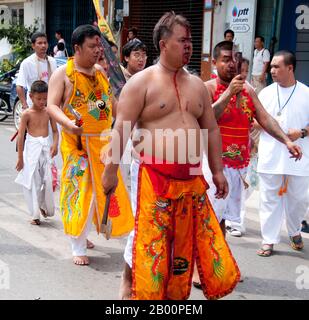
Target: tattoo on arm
(272, 127)
(219, 107)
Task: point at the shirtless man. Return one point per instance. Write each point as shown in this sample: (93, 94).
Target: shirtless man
(174, 220)
(81, 87)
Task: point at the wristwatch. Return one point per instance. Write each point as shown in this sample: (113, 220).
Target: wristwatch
(304, 133)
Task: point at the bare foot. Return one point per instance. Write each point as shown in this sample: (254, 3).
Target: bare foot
(125, 290)
(43, 213)
(81, 260)
(36, 222)
(90, 245)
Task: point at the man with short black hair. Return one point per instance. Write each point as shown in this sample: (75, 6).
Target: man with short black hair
(80, 91)
(229, 35)
(132, 34)
(235, 121)
(134, 58)
(284, 184)
(38, 66)
(261, 60)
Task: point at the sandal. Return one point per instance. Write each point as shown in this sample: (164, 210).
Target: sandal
(36, 222)
(305, 226)
(197, 285)
(266, 250)
(297, 242)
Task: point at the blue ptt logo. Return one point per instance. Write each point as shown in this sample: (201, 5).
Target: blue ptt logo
(235, 12)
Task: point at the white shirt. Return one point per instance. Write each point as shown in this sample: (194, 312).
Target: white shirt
(259, 58)
(56, 48)
(32, 69)
(274, 158)
(60, 54)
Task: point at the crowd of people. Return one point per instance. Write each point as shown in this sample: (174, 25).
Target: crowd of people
(178, 194)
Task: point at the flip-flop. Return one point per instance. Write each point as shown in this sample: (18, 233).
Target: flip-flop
(305, 226)
(297, 242)
(197, 285)
(35, 222)
(266, 250)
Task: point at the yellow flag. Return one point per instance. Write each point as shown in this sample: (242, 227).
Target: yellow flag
(102, 23)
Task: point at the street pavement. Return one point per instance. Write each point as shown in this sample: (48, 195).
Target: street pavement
(36, 262)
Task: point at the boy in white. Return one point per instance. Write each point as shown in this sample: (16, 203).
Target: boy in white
(34, 163)
(284, 182)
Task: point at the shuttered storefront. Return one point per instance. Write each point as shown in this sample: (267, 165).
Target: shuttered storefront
(302, 56)
(145, 14)
(66, 15)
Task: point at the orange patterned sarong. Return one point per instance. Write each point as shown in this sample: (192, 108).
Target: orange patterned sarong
(175, 226)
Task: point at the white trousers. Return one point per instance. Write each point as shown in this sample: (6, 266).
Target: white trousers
(79, 244)
(241, 225)
(40, 195)
(230, 207)
(134, 184)
(273, 208)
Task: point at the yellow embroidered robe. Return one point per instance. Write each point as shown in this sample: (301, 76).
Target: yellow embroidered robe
(82, 169)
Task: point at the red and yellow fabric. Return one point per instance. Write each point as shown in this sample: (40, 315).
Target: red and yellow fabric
(175, 226)
(82, 169)
(235, 124)
(102, 24)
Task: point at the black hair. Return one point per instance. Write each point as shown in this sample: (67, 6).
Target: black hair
(130, 46)
(60, 46)
(133, 30)
(164, 27)
(245, 60)
(224, 45)
(229, 31)
(82, 32)
(261, 38)
(59, 32)
(39, 86)
(289, 58)
(38, 35)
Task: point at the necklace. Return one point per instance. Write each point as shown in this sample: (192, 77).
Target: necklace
(281, 109)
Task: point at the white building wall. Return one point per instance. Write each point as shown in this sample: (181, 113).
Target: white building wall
(35, 10)
(244, 31)
(220, 24)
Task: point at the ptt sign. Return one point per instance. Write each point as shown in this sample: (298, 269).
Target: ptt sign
(240, 14)
(302, 21)
(237, 13)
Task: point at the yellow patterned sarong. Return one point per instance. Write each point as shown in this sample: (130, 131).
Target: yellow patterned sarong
(82, 169)
(176, 226)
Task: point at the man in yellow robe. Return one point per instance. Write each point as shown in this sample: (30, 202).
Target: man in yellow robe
(80, 86)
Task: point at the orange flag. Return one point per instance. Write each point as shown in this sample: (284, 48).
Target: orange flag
(102, 23)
